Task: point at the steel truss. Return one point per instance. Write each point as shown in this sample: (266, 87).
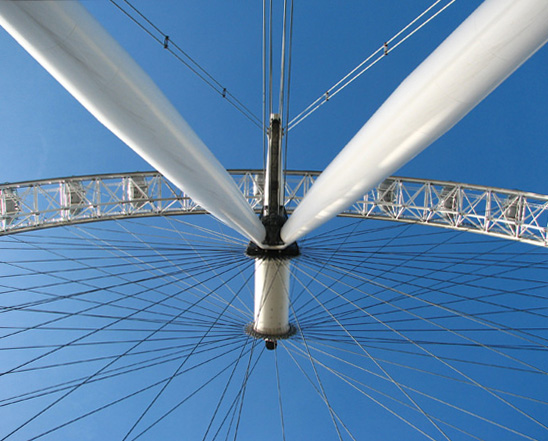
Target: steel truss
(498, 212)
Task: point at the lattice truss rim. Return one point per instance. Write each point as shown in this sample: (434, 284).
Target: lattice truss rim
(497, 212)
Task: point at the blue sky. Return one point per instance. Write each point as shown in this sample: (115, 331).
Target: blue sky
(45, 133)
(494, 145)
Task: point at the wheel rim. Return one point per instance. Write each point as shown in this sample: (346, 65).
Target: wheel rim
(295, 412)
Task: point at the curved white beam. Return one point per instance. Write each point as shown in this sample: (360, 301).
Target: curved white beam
(69, 43)
(482, 52)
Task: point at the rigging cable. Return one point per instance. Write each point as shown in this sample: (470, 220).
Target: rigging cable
(264, 84)
(182, 56)
(363, 67)
(282, 62)
(270, 63)
(285, 131)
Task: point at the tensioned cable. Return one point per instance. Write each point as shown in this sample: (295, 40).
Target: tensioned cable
(305, 356)
(369, 235)
(382, 369)
(225, 389)
(144, 389)
(321, 388)
(353, 381)
(371, 339)
(296, 299)
(308, 334)
(489, 324)
(243, 389)
(401, 248)
(96, 288)
(422, 289)
(188, 61)
(452, 316)
(322, 242)
(423, 371)
(264, 80)
(112, 342)
(95, 374)
(104, 288)
(429, 330)
(244, 305)
(279, 389)
(211, 345)
(330, 257)
(426, 267)
(209, 238)
(384, 258)
(96, 330)
(346, 350)
(165, 414)
(210, 265)
(232, 409)
(340, 267)
(288, 96)
(270, 55)
(124, 230)
(454, 369)
(122, 330)
(282, 62)
(185, 265)
(70, 241)
(308, 357)
(496, 262)
(392, 288)
(164, 387)
(30, 271)
(77, 295)
(82, 314)
(359, 263)
(175, 349)
(285, 69)
(361, 68)
(449, 365)
(239, 396)
(495, 292)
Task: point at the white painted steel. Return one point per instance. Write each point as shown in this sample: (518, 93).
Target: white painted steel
(271, 297)
(482, 52)
(497, 212)
(73, 47)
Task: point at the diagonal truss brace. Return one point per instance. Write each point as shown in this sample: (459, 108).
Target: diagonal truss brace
(509, 214)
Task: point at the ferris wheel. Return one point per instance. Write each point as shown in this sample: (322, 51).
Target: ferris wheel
(302, 314)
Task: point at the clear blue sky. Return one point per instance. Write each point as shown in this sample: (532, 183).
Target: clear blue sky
(45, 133)
(499, 144)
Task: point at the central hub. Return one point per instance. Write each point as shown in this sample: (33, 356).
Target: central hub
(272, 282)
(271, 310)
(273, 225)
(272, 257)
